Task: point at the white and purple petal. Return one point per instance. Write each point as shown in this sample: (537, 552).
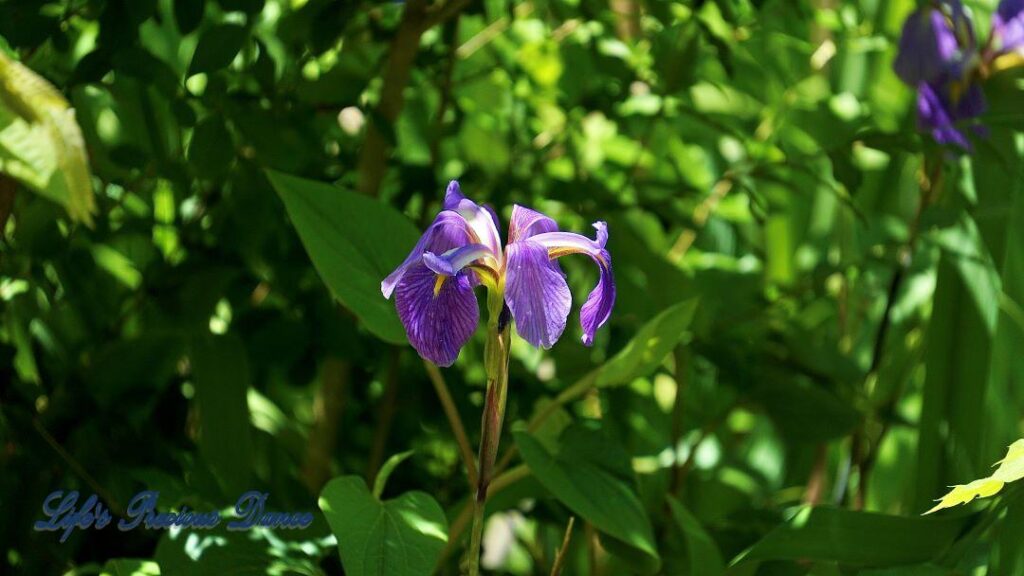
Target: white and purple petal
(536, 293)
(438, 319)
(482, 221)
(526, 222)
(451, 262)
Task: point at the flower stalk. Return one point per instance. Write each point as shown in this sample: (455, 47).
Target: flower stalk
(496, 352)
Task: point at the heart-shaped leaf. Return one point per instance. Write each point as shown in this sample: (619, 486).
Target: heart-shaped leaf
(400, 537)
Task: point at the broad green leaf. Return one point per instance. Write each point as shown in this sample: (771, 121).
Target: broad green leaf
(703, 554)
(221, 373)
(1011, 468)
(354, 242)
(650, 345)
(400, 537)
(130, 567)
(41, 143)
(857, 538)
(585, 475)
(218, 46)
(952, 414)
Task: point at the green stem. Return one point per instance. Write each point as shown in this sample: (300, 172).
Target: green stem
(496, 362)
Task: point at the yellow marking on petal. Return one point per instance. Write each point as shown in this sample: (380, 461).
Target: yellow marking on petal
(1007, 62)
(554, 253)
(438, 283)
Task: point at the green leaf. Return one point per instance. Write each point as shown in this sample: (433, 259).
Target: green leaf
(130, 567)
(354, 242)
(703, 554)
(221, 373)
(217, 47)
(385, 471)
(857, 538)
(400, 537)
(211, 149)
(650, 345)
(587, 475)
(41, 144)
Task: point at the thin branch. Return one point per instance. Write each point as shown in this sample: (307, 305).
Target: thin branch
(454, 420)
(78, 469)
(556, 568)
(416, 19)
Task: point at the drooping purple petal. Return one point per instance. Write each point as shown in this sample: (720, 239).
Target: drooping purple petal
(449, 230)
(598, 307)
(536, 294)
(526, 222)
(940, 109)
(438, 320)
(928, 47)
(482, 221)
(1008, 25)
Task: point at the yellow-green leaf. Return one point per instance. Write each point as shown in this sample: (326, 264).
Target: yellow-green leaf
(41, 144)
(1010, 468)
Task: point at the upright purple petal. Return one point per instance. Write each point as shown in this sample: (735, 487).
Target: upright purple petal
(1008, 25)
(526, 222)
(482, 221)
(438, 320)
(536, 294)
(928, 46)
(449, 230)
(598, 307)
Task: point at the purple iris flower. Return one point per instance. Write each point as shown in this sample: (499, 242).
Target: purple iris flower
(462, 249)
(938, 54)
(1008, 25)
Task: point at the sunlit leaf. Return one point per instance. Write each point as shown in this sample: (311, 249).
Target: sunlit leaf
(41, 144)
(1011, 468)
(400, 537)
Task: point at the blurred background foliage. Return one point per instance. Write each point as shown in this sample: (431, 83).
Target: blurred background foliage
(834, 325)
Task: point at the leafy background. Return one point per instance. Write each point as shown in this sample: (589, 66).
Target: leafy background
(816, 332)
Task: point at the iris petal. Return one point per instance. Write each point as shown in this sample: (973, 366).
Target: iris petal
(438, 324)
(536, 294)
(928, 47)
(526, 222)
(598, 307)
(482, 222)
(449, 230)
(937, 114)
(452, 261)
(1008, 25)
